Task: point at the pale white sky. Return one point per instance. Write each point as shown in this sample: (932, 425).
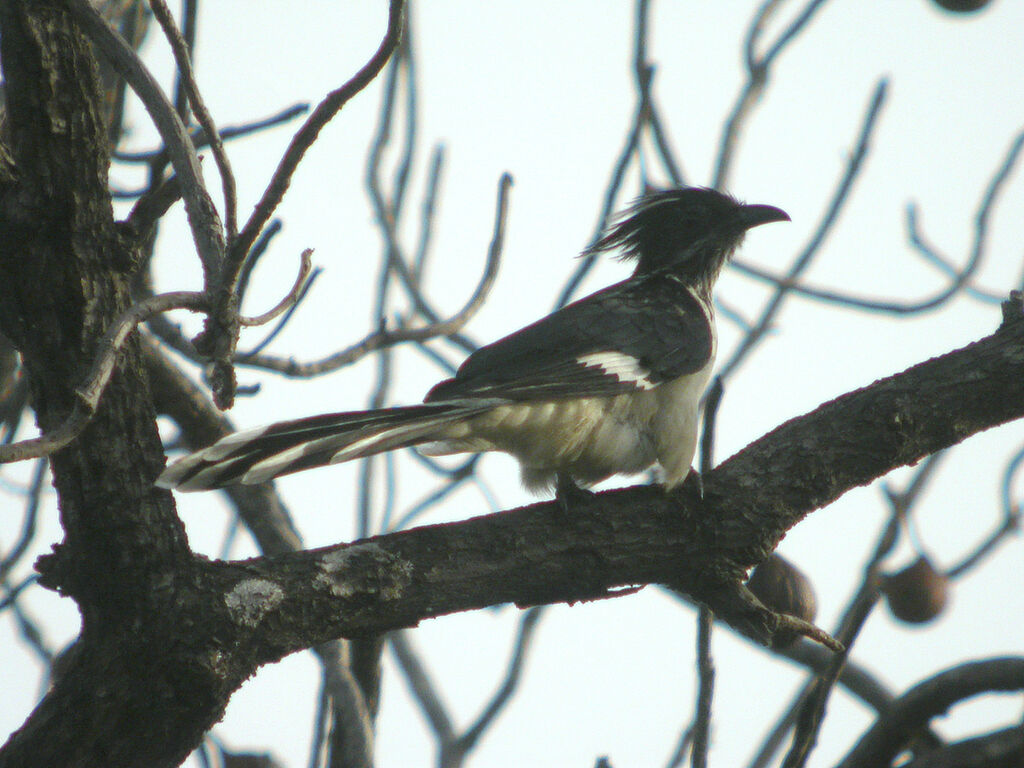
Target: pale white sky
(542, 90)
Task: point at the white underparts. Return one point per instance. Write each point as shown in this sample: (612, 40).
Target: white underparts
(590, 439)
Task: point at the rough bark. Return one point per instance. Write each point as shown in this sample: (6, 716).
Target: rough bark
(167, 636)
(64, 274)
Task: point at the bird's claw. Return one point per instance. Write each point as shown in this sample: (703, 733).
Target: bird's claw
(568, 494)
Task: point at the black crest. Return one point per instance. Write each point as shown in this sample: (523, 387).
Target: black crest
(693, 229)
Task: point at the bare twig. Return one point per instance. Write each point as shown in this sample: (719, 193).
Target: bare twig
(102, 368)
(528, 622)
(884, 740)
(419, 262)
(643, 73)
(856, 679)
(423, 689)
(189, 18)
(307, 286)
(152, 205)
(853, 168)
(849, 300)
(682, 745)
(290, 298)
(352, 732)
(183, 59)
(930, 254)
(28, 627)
(1010, 505)
(959, 277)
(28, 525)
(204, 221)
(307, 134)
(985, 208)
(200, 139)
(14, 591)
(389, 207)
(454, 748)
(452, 483)
(1010, 525)
(255, 254)
(810, 708)
(383, 337)
(758, 70)
(808, 705)
(323, 708)
(706, 675)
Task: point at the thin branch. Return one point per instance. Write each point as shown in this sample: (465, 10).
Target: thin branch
(180, 49)
(28, 525)
(303, 293)
(207, 231)
(908, 714)
(849, 300)
(930, 254)
(807, 707)
(13, 592)
(1010, 506)
(853, 168)
(528, 623)
(424, 691)
(811, 710)
(307, 134)
(679, 753)
(259, 248)
(642, 74)
(88, 394)
(352, 734)
(960, 277)
(981, 219)
(200, 139)
(706, 675)
(758, 71)
(435, 497)
(699, 731)
(856, 679)
(383, 337)
(189, 16)
(152, 205)
(419, 262)
(1010, 525)
(387, 213)
(323, 707)
(290, 298)
(28, 627)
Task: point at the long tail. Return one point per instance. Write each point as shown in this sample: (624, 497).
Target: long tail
(261, 454)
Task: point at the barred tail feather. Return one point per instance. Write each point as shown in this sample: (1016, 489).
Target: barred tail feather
(261, 454)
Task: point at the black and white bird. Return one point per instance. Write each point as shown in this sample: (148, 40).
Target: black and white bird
(609, 384)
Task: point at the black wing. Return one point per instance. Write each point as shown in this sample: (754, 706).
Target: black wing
(631, 336)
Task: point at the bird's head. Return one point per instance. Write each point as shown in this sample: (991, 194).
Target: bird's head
(690, 231)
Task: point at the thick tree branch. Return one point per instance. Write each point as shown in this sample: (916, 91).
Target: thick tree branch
(1000, 749)
(933, 697)
(639, 535)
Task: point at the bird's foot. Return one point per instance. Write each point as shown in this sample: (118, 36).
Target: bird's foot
(694, 483)
(568, 494)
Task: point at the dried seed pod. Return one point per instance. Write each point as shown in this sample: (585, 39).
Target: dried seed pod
(784, 588)
(918, 593)
(961, 6)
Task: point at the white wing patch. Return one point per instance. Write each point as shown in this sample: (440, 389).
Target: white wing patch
(620, 365)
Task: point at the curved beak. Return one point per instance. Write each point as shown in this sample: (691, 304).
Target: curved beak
(750, 216)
